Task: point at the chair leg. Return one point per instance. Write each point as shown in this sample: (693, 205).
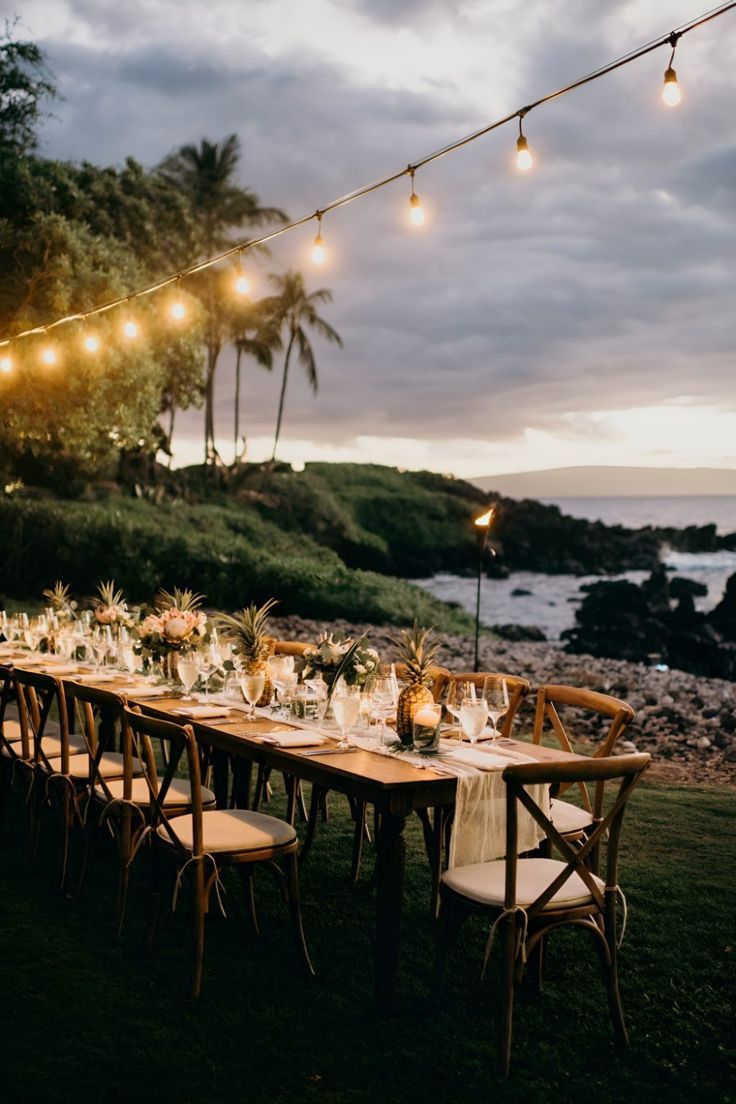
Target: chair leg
(200, 909)
(452, 917)
(301, 803)
(606, 946)
(33, 829)
(511, 946)
(315, 806)
(246, 871)
(67, 812)
(292, 888)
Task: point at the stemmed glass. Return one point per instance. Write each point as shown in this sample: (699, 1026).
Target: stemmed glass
(281, 671)
(384, 704)
(207, 666)
(188, 670)
(496, 696)
(456, 691)
(473, 717)
(252, 687)
(346, 708)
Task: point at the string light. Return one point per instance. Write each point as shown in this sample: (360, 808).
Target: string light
(177, 310)
(524, 159)
(49, 356)
(91, 342)
(416, 211)
(241, 282)
(671, 94)
(6, 363)
(318, 247)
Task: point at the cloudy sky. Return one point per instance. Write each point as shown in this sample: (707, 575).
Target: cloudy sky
(583, 313)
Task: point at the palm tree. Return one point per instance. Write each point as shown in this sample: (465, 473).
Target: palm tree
(295, 310)
(254, 334)
(205, 173)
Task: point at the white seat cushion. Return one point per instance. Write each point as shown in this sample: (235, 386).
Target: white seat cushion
(11, 730)
(486, 883)
(568, 818)
(178, 793)
(232, 830)
(111, 766)
(51, 745)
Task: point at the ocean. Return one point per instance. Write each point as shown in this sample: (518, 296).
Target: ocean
(551, 600)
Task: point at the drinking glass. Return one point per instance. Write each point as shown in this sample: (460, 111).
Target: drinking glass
(346, 708)
(207, 667)
(188, 670)
(456, 691)
(496, 696)
(279, 667)
(473, 717)
(384, 704)
(252, 687)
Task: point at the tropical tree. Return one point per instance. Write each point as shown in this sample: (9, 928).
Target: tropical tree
(205, 175)
(255, 334)
(25, 83)
(296, 311)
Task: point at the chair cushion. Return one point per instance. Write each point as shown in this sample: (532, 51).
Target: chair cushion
(568, 818)
(11, 730)
(485, 883)
(232, 830)
(52, 745)
(178, 793)
(111, 766)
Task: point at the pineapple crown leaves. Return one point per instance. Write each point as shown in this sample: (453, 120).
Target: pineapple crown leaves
(248, 625)
(184, 600)
(108, 595)
(58, 595)
(417, 648)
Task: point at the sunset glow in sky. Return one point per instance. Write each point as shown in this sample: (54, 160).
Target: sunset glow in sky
(581, 313)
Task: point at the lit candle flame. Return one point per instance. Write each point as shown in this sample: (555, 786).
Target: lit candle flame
(485, 519)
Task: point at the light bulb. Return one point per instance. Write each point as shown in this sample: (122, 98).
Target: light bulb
(48, 355)
(242, 284)
(524, 159)
(6, 364)
(671, 94)
(318, 250)
(92, 343)
(416, 211)
(130, 328)
(178, 310)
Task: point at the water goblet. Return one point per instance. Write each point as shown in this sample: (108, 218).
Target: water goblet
(384, 704)
(188, 671)
(252, 687)
(473, 717)
(346, 709)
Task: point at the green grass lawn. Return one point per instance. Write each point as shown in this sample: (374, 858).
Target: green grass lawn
(85, 1018)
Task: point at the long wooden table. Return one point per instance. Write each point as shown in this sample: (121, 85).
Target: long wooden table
(395, 787)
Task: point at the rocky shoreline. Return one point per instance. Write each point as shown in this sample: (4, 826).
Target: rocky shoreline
(688, 723)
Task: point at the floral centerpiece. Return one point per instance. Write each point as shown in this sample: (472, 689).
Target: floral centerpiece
(336, 655)
(110, 607)
(177, 625)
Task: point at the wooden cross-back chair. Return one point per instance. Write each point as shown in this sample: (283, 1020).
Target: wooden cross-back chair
(290, 648)
(16, 742)
(571, 820)
(437, 677)
(205, 839)
(517, 687)
(65, 764)
(531, 897)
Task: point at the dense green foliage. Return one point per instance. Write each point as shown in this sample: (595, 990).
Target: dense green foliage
(96, 1019)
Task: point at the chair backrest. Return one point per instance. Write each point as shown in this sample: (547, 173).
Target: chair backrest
(290, 648)
(176, 742)
(517, 686)
(437, 677)
(627, 769)
(547, 716)
(37, 693)
(97, 712)
(24, 749)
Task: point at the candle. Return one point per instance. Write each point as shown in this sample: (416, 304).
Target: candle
(427, 715)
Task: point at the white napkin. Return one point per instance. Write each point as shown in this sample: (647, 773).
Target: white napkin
(141, 692)
(201, 712)
(291, 739)
(93, 676)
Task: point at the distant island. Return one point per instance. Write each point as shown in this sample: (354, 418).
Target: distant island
(602, 482)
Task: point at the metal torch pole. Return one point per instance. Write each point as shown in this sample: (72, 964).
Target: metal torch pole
(481, 549)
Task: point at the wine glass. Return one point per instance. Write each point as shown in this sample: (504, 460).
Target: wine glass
(278, 666)
(252, 687)
(456, 691)
(496, 696)
(207, 667)
(188, 670)
(473, 717)
(384, 704)
(346, 708)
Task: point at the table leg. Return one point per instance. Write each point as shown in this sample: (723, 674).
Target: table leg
(390, 892)
(220, 772)
(242, 778)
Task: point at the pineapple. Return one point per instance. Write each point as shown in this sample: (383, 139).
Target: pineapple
(254, 645)
(417, 649)
(186, 601)
(59, 599)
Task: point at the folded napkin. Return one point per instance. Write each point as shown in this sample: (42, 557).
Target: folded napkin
(55, 669)
(93, 677)
(291, 739)
(141, 692)
(201, 712)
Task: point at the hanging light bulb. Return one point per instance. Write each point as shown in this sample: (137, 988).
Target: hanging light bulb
(318, 248)
(416, 211)
(6, 362)
(49, 355)
(130, 327)
(671, 94)
(177, 310)
(241, 282)
(524, 159)
(91, 342)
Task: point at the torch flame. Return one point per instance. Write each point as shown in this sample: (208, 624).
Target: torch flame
(485, 519)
